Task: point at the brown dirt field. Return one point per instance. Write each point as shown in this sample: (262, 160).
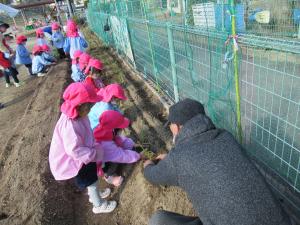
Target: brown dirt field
(28, 192)
(24, 154)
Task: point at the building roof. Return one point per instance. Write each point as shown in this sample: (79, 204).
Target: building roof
(32, 5)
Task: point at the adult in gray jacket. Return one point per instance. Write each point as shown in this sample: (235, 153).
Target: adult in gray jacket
(223, 185)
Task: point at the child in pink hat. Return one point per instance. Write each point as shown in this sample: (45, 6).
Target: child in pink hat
(39, 64)
(73, 41)
(40, 37)
(22, 54)
(116, 148)
(77, 74)
(94, 71)
(47, 55)
(79, 63)
(58, 39)
(111, 94)
(84, 59)
(73, 151)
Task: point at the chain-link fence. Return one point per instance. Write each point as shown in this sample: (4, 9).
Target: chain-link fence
(241, 59)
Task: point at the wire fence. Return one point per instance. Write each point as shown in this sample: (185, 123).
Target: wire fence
(243, 65)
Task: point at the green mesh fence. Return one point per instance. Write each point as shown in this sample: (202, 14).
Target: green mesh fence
(202, 62)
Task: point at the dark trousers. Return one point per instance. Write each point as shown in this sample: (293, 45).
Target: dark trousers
(87, 175)
(111, 168)
(29, 67)
(11, 72)
(114, 169)
(168, 218)
(61, 53)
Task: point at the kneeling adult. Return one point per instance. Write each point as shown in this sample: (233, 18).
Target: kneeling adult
(208, 163)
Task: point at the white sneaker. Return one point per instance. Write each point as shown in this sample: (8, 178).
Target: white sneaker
(103, 194)
(41, 74)
(17, 85)
(106, 207)
(7, 85)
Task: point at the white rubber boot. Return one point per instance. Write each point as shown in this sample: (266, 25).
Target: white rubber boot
(103, 194)
(99, 206)
(106, 207)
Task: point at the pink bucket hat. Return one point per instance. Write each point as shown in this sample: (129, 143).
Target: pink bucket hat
(55, 26)
(84, 59)
(112, 90)
(76, 56)
(108, 121)
(45, 48)
(75, 95)
(38, 32)
(94, 63)
(21, 39)
(72, 30)
(36, 49)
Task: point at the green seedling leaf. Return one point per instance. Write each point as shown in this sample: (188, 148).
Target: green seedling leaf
(148, 154)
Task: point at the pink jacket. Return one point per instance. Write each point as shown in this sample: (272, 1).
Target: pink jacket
(72, 146)
(119, 151)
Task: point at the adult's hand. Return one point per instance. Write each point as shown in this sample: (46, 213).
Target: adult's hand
(161, 156)
(147, 163)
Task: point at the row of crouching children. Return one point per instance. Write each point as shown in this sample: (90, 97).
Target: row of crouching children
(87, 142)
(42, 55)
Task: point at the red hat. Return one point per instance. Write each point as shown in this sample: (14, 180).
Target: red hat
(108, 121)
(77, 53)
(72, 30)
(36, 49)
(84, 59)
(75, 95)
(45, 48)
(21, 39)
(112, 90)
(55, 26)
(39, 31)
(94, 63)
(76, 56)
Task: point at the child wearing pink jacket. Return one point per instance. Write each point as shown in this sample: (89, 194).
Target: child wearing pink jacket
(73, 151)
(116, 148)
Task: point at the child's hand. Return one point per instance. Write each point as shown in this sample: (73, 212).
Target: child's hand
(142, 156)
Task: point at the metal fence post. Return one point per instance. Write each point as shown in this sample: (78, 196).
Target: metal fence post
(130, 42)
(173, 63)
(150, 45)
(236, 72)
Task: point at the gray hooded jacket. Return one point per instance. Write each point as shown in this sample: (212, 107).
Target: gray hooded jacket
(221, 182)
